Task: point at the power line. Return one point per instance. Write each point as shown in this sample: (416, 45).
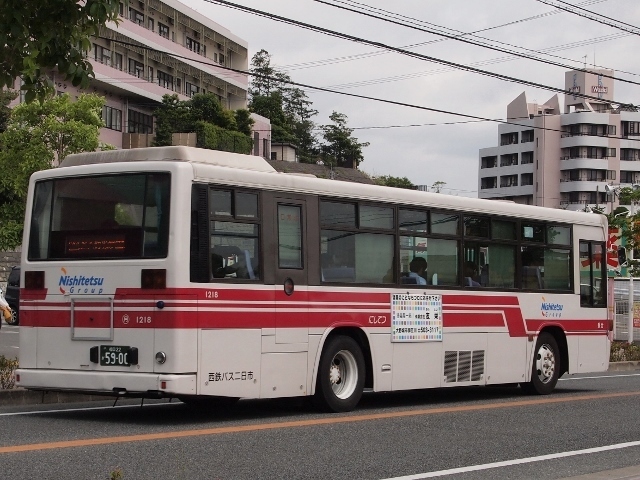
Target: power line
(405, 52)
(473, 34)
(595, 17)
(376, 53)
(353, 95)
(483, 62)
(459, 38)
(597, 14)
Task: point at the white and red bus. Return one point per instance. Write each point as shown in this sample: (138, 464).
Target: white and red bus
(209, 276)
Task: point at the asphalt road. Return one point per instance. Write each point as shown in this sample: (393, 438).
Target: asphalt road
(420, 434)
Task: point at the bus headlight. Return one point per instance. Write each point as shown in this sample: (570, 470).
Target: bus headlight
(161, 357)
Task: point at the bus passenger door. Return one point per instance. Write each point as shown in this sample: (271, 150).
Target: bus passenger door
(290, 261)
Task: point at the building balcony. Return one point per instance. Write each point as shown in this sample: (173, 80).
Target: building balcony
(583, 117)
(590, 163)
(124, 82)
(580, 206)
(595, 157)
(584, 134)
(630, 166)
(567, 186)
(193, 59)
(584, 141)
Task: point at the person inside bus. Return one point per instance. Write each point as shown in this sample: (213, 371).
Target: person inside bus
(470, 273)
(230, 262)
(484, 275)
(417, 270)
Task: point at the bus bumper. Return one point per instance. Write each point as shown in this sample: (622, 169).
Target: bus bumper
(107, 383)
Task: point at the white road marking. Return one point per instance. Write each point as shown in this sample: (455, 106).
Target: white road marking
(518, 461)
(86, 409)
(601, 376)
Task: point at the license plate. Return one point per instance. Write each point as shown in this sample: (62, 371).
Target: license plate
(114, 356)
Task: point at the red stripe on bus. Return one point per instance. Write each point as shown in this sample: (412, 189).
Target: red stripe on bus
(477, 319)
(480, 299)
(535, 325)
(211, 308)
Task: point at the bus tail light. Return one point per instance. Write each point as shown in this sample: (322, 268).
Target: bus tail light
(611, 325)
(34, 280)
(153, 278)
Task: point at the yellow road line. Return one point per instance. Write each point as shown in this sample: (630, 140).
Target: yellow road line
(328, 420)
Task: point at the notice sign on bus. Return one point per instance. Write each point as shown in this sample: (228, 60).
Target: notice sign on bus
(416, 317)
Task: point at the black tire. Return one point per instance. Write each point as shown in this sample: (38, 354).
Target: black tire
(14, 320)
(208, 403)
(340, 375)
(546, 367)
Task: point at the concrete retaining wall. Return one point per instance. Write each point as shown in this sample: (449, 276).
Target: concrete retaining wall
(8, 260)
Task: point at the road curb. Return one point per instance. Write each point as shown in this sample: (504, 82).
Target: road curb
(20, 396)
(624, 366)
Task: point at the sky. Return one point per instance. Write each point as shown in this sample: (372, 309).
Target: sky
(426, 146)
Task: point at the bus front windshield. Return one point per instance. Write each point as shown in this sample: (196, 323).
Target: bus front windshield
(100, 217)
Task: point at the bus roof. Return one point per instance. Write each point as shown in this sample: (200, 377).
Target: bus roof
(204, 160)
(173, 153)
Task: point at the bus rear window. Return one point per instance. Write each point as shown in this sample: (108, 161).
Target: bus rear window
(100, 217)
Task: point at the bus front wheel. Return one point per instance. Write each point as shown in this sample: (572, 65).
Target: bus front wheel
(340, 375)
(546, 366)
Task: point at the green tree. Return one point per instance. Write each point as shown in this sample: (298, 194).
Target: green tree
(244, 122)
(298, 109)
(6, 96)
(38, 36)
(628, 223)
(629, 195)
(265, 79)
(233, 128)
(288, 108)
(340, 148)
(37, 137)
(437, 186)
(207, 108)
(172, 116)
(398, 182)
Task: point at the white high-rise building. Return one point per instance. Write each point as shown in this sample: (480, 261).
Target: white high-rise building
(564, 159)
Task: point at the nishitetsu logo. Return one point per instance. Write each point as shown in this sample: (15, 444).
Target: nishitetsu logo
(79, 283)
(550, 309)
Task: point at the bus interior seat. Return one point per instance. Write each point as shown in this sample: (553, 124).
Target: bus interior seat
(407, 280)
(247, 261)
(484, 275)
(531, 279)
(338, 274)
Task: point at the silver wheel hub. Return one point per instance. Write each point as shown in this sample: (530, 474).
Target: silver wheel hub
(545, 363)
(343, 374)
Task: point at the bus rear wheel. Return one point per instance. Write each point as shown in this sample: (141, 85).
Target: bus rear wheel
(340, 375)
(546, 366)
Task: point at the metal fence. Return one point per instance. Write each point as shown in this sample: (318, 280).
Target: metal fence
(621, 290)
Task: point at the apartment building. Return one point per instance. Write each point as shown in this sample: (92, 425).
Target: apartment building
(164, 47)
(565, 158)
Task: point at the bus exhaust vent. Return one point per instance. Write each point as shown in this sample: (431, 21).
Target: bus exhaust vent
(463, 366)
